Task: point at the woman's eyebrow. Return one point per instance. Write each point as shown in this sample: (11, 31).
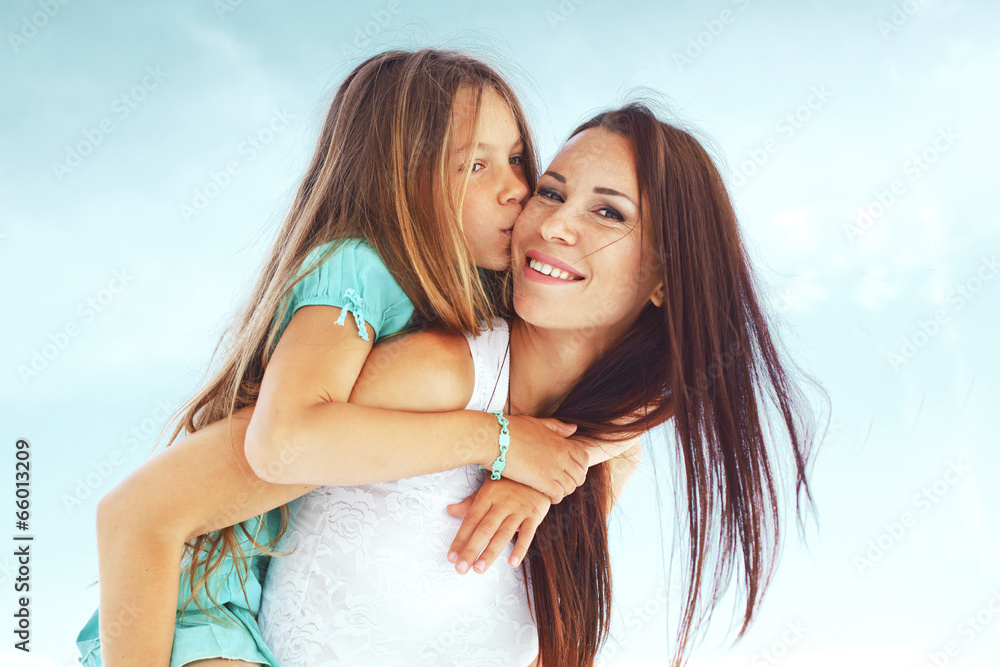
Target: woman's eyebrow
(614, 193)
(597, 190)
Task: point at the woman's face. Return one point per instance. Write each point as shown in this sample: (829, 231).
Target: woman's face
(497, 182)
(584, 219)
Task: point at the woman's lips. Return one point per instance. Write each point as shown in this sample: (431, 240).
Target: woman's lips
(536, 277)
(540, 256)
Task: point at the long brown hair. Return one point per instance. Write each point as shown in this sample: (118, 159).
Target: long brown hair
(704, 358)
(379, 172)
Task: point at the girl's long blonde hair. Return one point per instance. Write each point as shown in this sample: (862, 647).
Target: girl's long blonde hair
(380, 172)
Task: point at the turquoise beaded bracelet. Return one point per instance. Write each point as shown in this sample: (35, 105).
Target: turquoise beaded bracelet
(501, 461)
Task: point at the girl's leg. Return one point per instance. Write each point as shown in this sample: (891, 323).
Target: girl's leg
(222, 662)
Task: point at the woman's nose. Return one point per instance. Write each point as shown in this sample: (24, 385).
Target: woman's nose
(559, 226)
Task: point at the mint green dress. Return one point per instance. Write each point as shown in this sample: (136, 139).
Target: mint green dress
(355, 279)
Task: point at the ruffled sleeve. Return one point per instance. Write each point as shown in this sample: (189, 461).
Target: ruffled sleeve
(353, 278)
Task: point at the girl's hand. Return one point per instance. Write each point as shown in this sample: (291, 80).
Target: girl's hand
(542, 455)
(492, 516)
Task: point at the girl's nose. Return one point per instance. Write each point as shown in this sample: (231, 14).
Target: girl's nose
(515, 188)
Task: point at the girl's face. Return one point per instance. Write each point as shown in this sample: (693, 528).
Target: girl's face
(583, 220)
(497, 184)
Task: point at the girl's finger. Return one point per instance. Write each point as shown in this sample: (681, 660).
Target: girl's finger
(581, 457)
(567, 483)
(555, 491)
(556, 426)
(459, 510)
(481, 536)
(473, 516)
(525, 534)
(567, 429)
(499, 542)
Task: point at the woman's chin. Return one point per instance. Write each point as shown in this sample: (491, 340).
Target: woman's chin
(542, 313)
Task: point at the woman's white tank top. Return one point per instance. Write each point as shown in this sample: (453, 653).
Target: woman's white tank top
(369, 583)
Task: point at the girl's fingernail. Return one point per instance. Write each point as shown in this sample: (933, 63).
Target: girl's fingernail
(480, 565)
(513, 561)
(452, 557)
(463, 567)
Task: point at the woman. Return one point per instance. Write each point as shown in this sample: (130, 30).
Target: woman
(659, 320)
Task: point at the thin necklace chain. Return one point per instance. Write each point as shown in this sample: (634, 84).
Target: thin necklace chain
(508, 379)
(507, 359)
(506, 356)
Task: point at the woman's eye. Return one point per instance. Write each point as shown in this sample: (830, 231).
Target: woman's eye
(548, 194)
(612, 214)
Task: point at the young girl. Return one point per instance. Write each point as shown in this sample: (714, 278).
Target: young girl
(421, 167)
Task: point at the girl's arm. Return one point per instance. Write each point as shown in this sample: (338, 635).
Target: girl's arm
(304, 430)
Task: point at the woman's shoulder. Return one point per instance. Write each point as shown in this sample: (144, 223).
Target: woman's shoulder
(439, 346)
(433, 351)
(457, 367)
(429, 369)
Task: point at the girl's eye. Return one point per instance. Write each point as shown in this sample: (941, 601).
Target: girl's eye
(548, 193)
(477, 166)
(516, 160)
(612, 214)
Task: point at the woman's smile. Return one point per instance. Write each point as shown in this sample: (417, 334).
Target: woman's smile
(541, 272)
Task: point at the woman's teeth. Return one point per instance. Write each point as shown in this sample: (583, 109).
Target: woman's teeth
(549, 271)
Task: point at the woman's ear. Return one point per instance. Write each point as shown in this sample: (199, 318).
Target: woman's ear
(657, 296)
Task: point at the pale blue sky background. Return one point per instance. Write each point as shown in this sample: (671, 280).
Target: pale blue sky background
(817, 110)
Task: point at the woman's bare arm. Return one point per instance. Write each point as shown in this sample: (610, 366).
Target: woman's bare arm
(199, 484)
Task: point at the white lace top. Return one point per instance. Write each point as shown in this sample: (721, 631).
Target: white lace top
(369, 582)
